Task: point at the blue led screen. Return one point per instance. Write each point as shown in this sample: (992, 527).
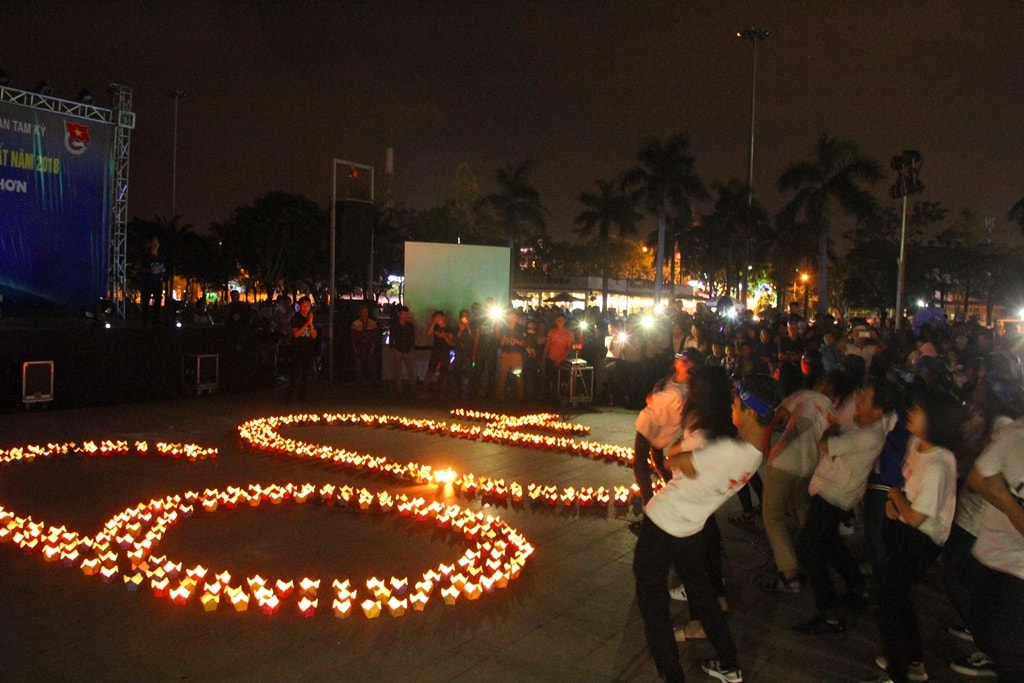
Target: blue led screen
(55, 180)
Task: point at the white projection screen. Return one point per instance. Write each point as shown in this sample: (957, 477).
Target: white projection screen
(450, 277)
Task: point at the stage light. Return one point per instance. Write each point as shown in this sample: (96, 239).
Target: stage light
(103, 312)
(85, 97)
(44, 88)
(496, 313)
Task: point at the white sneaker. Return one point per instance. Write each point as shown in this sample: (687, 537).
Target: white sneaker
(714, 668)
(915, 672)
(978, 665)
(961, 632)
(678, 593)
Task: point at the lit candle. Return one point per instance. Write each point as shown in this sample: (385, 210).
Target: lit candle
(371, 608)
(307, 606)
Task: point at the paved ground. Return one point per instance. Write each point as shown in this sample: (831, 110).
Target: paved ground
(570, 617)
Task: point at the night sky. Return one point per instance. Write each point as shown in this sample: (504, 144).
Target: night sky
(275, 90)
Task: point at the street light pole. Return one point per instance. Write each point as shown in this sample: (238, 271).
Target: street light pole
(754, 35)
(907, 167)
(177, 95)
(334, 256)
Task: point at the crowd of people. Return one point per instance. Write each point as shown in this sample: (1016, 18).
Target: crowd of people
(918, 435)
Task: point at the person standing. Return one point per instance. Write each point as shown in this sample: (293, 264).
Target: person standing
(464, 339)
(791, 462)
(512, 341)
(559, 345)
(440, 352)
(153, 271)
(670, 535)
(996, 573)
(305, 348)
(660, 422)
(919, 518)
(402, 341)
(364, 336)
(840, 479)
(239, 313)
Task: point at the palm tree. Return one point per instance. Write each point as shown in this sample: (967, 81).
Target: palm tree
(1017, 214)
(606, 208)
(833, 177)
(516, 207)
(666, 184)
(737, 217)
(173, 234)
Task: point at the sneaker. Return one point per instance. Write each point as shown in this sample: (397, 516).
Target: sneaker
(977, 665)
(678, 593)
(821, 625)
(961, 632)
(915, 672)
(715, 669)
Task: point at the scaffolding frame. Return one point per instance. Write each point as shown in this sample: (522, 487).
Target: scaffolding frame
(124, 120)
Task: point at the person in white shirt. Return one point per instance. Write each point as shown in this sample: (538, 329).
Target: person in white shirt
(997, 575)
(919, 518)
(806, 415)
(660, 422)
(670, 535)
(848, 453)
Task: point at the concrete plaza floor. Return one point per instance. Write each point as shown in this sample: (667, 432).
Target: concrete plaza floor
(571, 616)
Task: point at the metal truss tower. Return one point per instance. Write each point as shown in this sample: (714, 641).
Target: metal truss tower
(124, 122)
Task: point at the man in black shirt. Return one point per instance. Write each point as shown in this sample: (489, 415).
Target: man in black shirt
(304, 349)
(403, 340)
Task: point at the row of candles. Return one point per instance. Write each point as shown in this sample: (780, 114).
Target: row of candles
(499, 556)
(105, 448)
(264, 433)
(497, 552)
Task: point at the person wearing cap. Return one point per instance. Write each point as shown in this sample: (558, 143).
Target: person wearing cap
(660, 421)
(670, 535)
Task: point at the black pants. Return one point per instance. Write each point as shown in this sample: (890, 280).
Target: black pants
(303, 357)
(821, 547)
(997, 618)
(656, 551)
(910, 552)
(956, 561)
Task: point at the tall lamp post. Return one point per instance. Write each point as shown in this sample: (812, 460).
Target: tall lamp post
(754, 35)
(908, 169)
(177, 95)
(353, 173)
